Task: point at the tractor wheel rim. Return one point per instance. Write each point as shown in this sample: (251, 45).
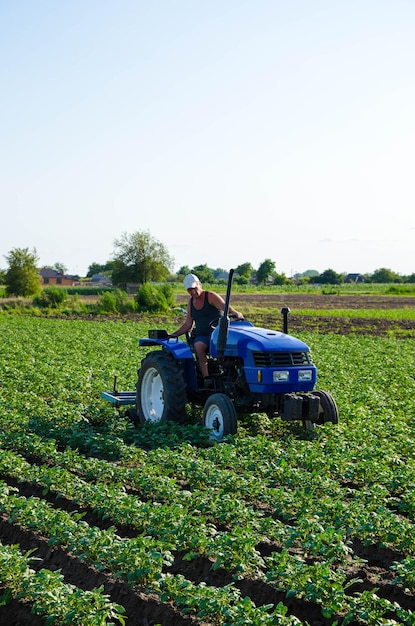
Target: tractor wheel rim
(152, 395)
(214, 421)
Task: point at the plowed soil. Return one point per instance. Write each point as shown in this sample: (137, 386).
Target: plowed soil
(324, 323)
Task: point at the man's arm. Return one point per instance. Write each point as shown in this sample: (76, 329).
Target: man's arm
(216, 300)
(186, 326)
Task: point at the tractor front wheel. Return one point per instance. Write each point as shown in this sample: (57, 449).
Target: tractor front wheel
(328, 411)
(219, 416)
(161, 390)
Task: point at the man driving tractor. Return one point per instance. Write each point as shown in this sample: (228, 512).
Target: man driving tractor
(203, 308)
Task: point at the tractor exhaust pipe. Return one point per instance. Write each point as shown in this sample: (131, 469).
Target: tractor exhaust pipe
(224, 320)
(284, 312)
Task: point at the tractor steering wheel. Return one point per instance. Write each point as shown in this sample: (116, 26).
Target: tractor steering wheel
(215, 322)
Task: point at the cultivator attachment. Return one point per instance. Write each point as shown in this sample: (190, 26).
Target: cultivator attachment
(119, 398)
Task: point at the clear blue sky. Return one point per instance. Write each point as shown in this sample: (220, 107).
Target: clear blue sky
(232, 131)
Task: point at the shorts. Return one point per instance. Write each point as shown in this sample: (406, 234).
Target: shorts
(203, 338)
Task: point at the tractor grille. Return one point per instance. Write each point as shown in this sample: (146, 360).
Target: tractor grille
(281, 359)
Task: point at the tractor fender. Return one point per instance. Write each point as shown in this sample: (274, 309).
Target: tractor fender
(181, 352)
(179, 349)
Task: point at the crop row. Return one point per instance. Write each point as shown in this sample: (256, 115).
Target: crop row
(325, 586)
(273, 505)
(50, 596)
(326, 516)
(139, 560)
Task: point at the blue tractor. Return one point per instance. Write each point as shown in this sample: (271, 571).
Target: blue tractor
(252, 370)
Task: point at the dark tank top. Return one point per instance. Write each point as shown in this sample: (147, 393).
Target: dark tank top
(203, 317)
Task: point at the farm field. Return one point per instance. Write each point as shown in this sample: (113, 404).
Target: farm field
(341, 313)
(103, 523)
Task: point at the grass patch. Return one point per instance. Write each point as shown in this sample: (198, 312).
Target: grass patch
(406, 313)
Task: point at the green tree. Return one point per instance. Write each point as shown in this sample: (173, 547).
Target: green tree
(99, 268)
(204, 273)
(22, 276)
(280, 279)
(220, 272)
(140, 258)
(245, 269)
(94, 268)
(385, 275)
(308, 273)
(305, 277)
(264, 271)
(61, 268)
(185, 269)
(328, 277)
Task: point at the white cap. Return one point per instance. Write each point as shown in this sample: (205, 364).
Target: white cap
(190, 281)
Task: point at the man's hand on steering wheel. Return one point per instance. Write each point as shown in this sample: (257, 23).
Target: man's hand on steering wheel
(236, 316)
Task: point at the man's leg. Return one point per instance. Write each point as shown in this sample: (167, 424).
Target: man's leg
(201, 356)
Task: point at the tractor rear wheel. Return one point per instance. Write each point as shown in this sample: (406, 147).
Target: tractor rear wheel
(219, 416)
(161, 390)
(328, 411)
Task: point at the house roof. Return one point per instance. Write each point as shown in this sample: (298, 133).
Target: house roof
(354, 277)
(48, 272)
(96, 277)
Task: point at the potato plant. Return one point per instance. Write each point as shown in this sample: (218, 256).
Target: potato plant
(275, 525)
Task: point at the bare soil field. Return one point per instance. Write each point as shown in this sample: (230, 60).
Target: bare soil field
(322, 301)
(322, 323)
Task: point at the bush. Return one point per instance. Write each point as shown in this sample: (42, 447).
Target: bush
(107, 303)
(53, 297)
(241, 280)
(76, 307)
(155, 298)
(88, 291)
(116, 301)
(407, 289)
(18, 305)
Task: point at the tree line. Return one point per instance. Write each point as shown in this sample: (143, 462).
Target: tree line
(139, 258)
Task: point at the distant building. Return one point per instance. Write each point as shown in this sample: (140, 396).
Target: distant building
(132, 288)
(49, 276)
(100, 280)
(354, 278)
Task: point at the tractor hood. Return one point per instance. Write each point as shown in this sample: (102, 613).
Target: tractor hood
(244, 339)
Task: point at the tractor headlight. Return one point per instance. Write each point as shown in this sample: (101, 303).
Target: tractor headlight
(305, 375)
(280, 376)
